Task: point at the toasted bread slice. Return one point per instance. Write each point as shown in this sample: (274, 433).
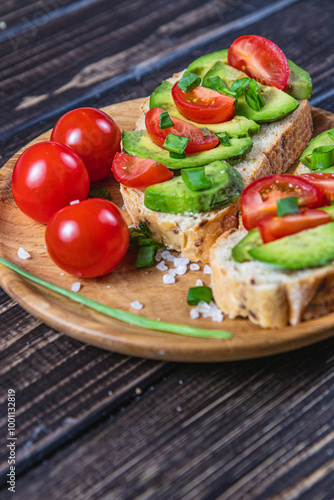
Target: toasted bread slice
(269, 297)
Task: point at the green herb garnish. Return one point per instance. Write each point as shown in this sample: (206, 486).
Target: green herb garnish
(196, 179)
(99, 192)
(145, 257)
(165, 121)
(127, 317)
(142, 238)
(176, 143)
(253, 96)
(322, 157)
(224, 138)
(219, 85)
(286, 206)
(177, 156)
(198, 293)
(189, 82)
(247, 86)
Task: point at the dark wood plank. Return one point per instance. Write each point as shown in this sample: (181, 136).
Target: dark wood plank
(239, 430)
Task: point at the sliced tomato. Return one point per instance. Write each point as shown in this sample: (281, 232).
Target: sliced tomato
(198, 142)
(259, 199)
(323, 181)
(203, 105)
(260, 59)
(139, 173)
(273, 228)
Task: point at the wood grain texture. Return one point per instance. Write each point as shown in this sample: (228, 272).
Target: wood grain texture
(127, 284)
(248, 430)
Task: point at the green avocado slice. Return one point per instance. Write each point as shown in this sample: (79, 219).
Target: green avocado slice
(239, 126)
(201, 65)
(310, 248)
(174, 196)
(277, 103)
(322, 139)
(138, 143)
(240, 252)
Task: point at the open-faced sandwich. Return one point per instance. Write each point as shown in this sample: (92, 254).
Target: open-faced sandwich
(232, 117)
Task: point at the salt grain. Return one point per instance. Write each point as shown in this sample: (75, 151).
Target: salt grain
(136, 305)
(168, 279)
(194, 267)
(158, 254)
(181, 261)
(75, 287)
(207, 269)
(162, 266)
(180, 270)
(167, 256)
(172, 272)
(199, 283)
(23, 254)
(194, 314)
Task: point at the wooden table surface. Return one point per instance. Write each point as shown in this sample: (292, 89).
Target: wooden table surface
(92, 424)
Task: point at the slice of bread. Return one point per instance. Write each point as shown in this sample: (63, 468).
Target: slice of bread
(269, 297)
(275, 148)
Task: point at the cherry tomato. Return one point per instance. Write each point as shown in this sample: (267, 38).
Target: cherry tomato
(261, 59)
(198, 142)
(260, 198)
(93, 135)
(47, 177)
(204, 105)
(88, 239)
(323, 181)
(139, 173)
(272, 228)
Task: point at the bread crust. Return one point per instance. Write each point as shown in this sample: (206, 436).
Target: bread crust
(283, 298)
(276, 147)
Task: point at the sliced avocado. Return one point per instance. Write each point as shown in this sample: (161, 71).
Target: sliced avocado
(239, 126)
(299, 83)
(175, 197)
(138, 143)
(201, 65)
(277, 103)
(329, 210)
(309, 248)
(321, 140)
(240, 252)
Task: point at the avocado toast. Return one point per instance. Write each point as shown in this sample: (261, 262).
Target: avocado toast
(261, 142)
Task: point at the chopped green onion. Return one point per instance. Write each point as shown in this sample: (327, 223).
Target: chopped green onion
(322, 157)
(330, 134)
(253, 96)
(189, 82)
(195, 178)
(224, 138)
(99, 192)
(145, 257)
(286, 206)
(198, 293)
(127, 317)
(176, 156)
(142, 237)
(219, 85)
(205, 131)
(240, 86)
(165, 121)
(176, 143)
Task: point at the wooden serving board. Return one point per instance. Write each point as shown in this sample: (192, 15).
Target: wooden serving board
(127, 284)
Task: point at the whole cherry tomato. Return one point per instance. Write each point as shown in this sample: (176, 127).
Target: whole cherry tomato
(203, 105)
(46, 177)
(139, 173)
(93, 135)
(261, 59)
(198, 141)
(87, 239)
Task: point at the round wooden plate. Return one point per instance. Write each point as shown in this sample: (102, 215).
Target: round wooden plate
(126, 284)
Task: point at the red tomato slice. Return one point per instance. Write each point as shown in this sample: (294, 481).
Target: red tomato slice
(197, 140)
(323, 181)
(273, 228)
(261, 59)
(139, 173)
(204, 105)
(260, 198)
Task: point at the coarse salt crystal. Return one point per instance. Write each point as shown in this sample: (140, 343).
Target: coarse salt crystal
(168, 279)
(199, 283)
(23, 254)
(203, 307)
(162, 266)
(180, 261)
(158, 254)
(75, 287)
(172, 272)
(167, 256)
(207, 269)
(180, 270)
(194, 267)
(74, 202)
(194, 314)
(136, 305)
